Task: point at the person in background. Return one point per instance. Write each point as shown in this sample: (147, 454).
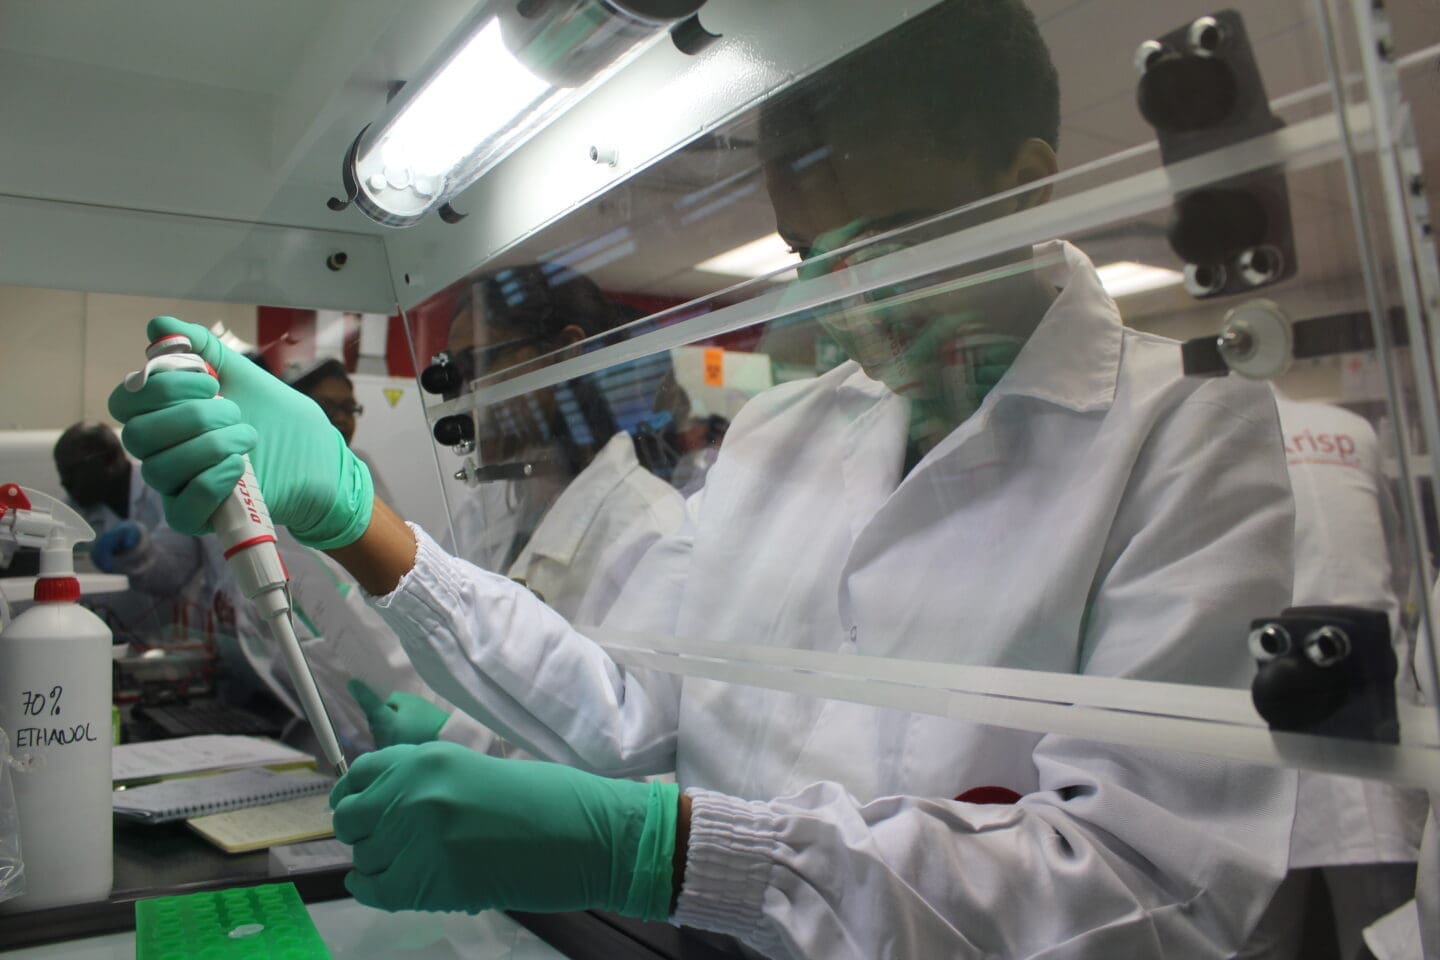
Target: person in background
(329, 385)
(169, 573)
(1002, 475)
(1360, 838)
(578, 529)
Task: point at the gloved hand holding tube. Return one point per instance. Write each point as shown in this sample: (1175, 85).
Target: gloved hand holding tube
(440, 827)
(192, 442)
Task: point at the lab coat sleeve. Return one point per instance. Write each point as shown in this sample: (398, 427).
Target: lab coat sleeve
(490, 647)
(1121, 851)
(163, 563)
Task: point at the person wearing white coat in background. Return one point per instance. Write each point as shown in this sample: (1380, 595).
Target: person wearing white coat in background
(1359, 837)
(574, 530)
(573, 540)
(1412, 930)
(1088, 511)
(172, 575)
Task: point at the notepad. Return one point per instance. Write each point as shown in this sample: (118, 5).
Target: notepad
(255, 828)
(187, 755)
(216, 793)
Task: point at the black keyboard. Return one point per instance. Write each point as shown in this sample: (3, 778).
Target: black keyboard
(200, 716)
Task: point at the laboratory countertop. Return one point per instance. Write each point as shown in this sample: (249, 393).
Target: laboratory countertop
(354, 931)
(351, 930)
(171, 859)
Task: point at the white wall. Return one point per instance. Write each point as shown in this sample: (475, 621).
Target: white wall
(394, 438)
(62, 352)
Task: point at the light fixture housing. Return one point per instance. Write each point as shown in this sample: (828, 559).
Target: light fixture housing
(512, 68)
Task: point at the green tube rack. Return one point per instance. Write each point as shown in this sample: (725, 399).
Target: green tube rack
(267, 922)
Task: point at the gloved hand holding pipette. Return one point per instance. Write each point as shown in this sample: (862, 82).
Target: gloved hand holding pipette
(192, 452)
(195, 444)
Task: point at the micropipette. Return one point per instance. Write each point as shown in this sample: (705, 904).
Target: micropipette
(247, 536)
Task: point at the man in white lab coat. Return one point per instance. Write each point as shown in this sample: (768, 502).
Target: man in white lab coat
(171, 577)
(1077, 507)
(574, 530)
(1359, 837)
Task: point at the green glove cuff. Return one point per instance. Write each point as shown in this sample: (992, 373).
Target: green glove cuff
(652, 883)
(349, 515)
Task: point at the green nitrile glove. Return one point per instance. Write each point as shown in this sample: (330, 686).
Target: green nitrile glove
(399, 718)
(440, 827)
(190, 444)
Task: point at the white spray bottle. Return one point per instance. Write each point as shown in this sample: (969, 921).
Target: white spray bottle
(55, 696)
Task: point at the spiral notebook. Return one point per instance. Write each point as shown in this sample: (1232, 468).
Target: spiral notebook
(200, 796)
(268, 825)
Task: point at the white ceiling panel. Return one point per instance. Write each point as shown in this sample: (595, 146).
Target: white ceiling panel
(252, 46)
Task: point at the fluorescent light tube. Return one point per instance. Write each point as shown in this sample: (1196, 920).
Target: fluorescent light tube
(471, 100)
(754, 259)
(1125, 277)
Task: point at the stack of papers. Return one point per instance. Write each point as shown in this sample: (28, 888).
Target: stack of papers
(183, 756)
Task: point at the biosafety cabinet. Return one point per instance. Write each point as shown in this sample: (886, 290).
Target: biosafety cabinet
(993, 403)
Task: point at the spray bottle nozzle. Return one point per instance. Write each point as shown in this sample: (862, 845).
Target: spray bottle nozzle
(29, 518)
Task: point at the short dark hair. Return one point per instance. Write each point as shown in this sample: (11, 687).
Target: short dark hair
(973, 74)
(86, 444)
(539, 300)
(327, 369)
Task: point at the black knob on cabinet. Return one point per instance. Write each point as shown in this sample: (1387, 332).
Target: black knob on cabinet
(456, 428)
(1180, 93)
(441, 379)
(1216, 225)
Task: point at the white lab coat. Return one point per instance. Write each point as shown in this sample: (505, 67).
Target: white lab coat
(495, 518)
(578, 559)
(1099, 513)
(587, 546)
(596, 531)
(1412, 932)
(1345, 537)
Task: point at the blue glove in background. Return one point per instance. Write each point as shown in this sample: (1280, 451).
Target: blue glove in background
(399, 718)
(121, 538)
(191, 442)
(440, 827)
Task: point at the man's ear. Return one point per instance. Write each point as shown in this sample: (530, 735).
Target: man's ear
(1035, 160)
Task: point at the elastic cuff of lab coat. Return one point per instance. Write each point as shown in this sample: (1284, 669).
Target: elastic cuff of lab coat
(727, 868)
